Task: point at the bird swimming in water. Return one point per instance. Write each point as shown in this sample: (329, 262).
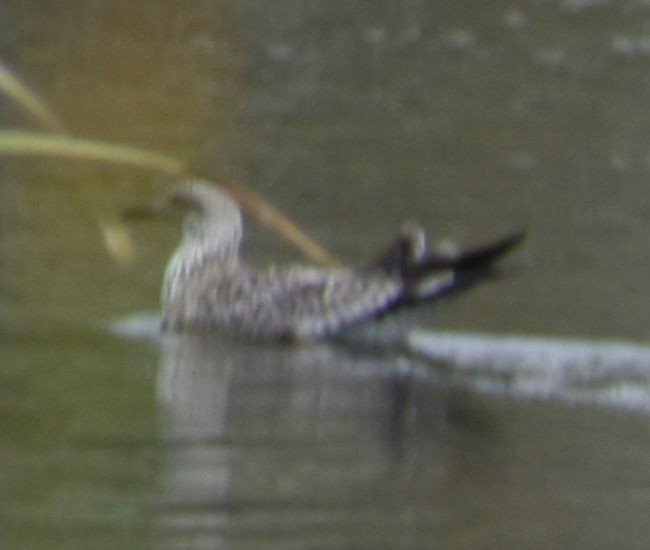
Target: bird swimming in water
(208, 287)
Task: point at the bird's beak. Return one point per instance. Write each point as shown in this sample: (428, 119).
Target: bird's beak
(141, 212)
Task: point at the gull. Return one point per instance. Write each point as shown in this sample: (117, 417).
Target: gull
(209, 287)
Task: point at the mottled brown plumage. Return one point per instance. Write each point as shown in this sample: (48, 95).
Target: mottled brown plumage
(208, 287)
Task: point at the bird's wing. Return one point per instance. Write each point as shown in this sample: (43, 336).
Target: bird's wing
(294, 302)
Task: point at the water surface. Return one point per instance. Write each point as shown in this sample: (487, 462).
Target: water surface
(352, 117)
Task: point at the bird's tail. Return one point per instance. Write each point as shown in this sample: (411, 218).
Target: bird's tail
(429, 273)
(463, 259)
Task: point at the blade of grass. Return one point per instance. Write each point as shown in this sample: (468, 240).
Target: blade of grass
(21, 143)
(115, 236)
(270, 216)
(12, 87)
(117, 240)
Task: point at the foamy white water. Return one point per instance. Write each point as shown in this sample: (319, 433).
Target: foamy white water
(610, 372)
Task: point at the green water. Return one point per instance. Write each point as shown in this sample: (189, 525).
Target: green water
(351, 117)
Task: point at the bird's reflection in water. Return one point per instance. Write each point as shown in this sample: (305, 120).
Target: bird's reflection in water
(271, 440)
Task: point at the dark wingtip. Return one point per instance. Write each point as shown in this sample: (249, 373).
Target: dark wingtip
(485, 255)
(472, 259)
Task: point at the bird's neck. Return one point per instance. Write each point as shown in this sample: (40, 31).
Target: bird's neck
(214, 247)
